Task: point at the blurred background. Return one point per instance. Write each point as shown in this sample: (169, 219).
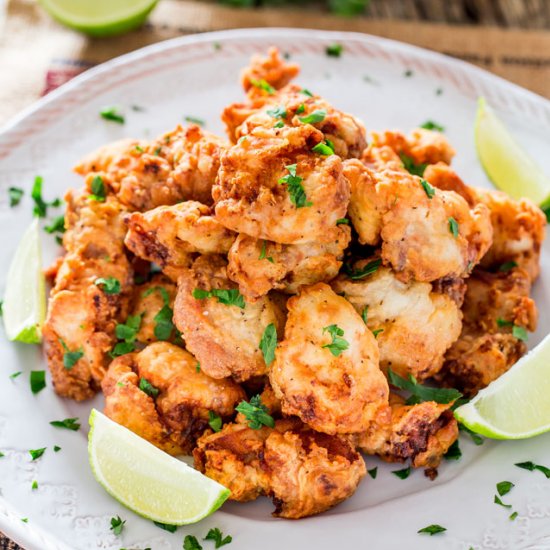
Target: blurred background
(37, 53)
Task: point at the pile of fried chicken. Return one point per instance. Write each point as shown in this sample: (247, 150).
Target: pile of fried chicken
(190, 257)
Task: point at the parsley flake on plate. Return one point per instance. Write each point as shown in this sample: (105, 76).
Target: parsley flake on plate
(531, 466)
(109, 285)
(268, 343)
(316, 116)
(99, 193)
(227, 296)
(166, 526)
(370, 268)
(15, 194)
(68, 424)
(37, 380)
(117, 525)
(195, 120)
(146, 387)
(453, 227)
(411, 166)
(513, 516)
(428, 189)
(431, 530)
(70, 358)
(500, 503)
(56, 448)
(431, 125)
(454, 452)
(57, 225)
(422, 393)
(34, 485)
(15, 375)
(334, 50)
(476, 438)
(338, 344)
(214, 421)
(191, 543)
(504, 487)
(111, 113)
(373, 472)
(402, 474)
(295, 188)
(37, 453)
(256, 413)
(217, 536)
(40, 209)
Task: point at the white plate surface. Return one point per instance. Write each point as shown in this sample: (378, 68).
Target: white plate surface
(190, 76)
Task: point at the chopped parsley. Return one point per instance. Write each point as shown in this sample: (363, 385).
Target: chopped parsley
(513, 516)
(268, 343)
(422, 393)
(263, 253)
(278, 124)
(15, 375)
(438, 91)
(532, 467)
(342, 221)
(128, 333)
(546, 211)
(504, 487)
(453, 227)
(476, 438)
(111, 113)
(109, 285)
(117, 525)
(97, 187)
(411, 166)
(37, 453)
(191, 543)
(373, 472)
(520, 333)
(507, 266)
(217, 536)
(40, 205)
(408, 73)
(338, 344)
(432, 530)
(323, 149)
(139, 149)
(277, 112)
(454, 452)
(363, 272)
(504, 323)
(71, 357)
(262, 84)
(377, 331)
(146, 387)
(15, 194)
(429, 190)
(163, 319)
(214, 421)
(301, 108)
(334, 50)
(295, 188)
(256, 413)
(34, 485)
(227, 296)
(198, 367)
(316, 116)
(166, 526)
(195, 120)
(68, 424)
(57, 225)
(2, 454)
(500, 503)
(364, 314)
(431, 125)
(56, 448)
(306, 92)
(38, 380)
(402, 474)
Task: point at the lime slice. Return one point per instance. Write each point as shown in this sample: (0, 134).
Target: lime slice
(100, 17)
(508, 166)
(516, 405)
(147, 480)
(25, 295)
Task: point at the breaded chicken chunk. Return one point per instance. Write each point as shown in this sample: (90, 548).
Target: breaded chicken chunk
(497, 309)
(171, 236)
(421, 433)
(161, 395)
(219, 327)
(178, 166)
(303, 471)
(415, 325)
(425, 233)
(82, 312)
(272, 186)
(259, 266)
(326, 368)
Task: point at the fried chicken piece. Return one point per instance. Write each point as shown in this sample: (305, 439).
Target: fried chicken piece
(326, 368)
(519, 228)
(415, 325)
(259, 266)
(494, 304)
(171, 236)
(303, 471)
(423, 238)
(272, 186)
(82, 315)
(292, 107)
(420, 433)
(175, 412)
(223, 336)
(149, 300)
(178, 166)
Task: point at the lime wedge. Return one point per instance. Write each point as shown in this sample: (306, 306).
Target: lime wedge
(25, 295)
(508, 166)
(147, 480)
(516, 405)
(100, 17)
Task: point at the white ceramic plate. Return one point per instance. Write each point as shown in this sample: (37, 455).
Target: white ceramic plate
(193, 76)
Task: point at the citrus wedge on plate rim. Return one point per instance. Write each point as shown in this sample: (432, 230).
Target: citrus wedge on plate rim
(24, 308)
(516, 405)
(147, 480)
(505, 162)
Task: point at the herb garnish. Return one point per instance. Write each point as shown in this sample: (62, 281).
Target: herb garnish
(476, 438)
(532, 466)
(377, 331)
(37, 453)
(520, 333)
(56, 448)
(163, 319)
(278, 124)
(191, 543)
(411, 166)
(195, 120)
(256, 413)
(263, 253)
(57, 225)
(295, 188)
(38, 380)
(262, 85)
(117, 525)
(507, 266)
(364, 314)
(433, 529)
(306, 92)
(68, 424)
(431, 125)
(110, 113)
(453, 227)
(300, 109)
(338, 344)
(500, 503)
(15, 375)
(146, 387)
(334, 50)
(166, 526)
(217, 536)
(504, 487)
(408, 73)
(454, 452)
(214, 421)
(34, 485)
(227, 296)
(316, 116)
(128, 333)
(40, 205)
(429, 190)
(342, 221)
(373, 472)
(422, 393)
(15, 194)
(277, 112)
(361, 273)
(97, 187)
(268, 343)
(71, 357)
(109, 285)
(402, 474)
(323, 149)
